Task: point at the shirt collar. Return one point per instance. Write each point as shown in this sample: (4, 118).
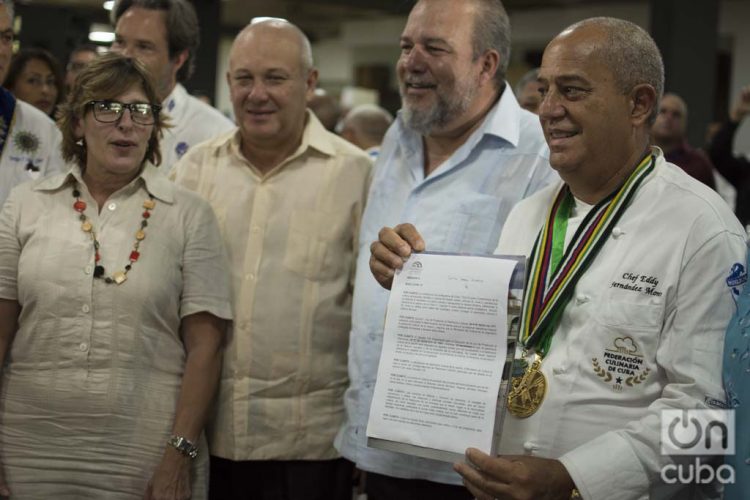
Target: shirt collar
(502, 121)
(174, 104)
(156, 184)
(314, 136)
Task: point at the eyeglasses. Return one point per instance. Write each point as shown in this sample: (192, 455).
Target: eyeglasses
(141, 113)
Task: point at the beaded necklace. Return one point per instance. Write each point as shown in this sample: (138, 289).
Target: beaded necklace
(118, 277)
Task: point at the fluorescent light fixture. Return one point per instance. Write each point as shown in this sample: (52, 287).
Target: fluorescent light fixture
(109, 4)
(102, 36)
(101, 33)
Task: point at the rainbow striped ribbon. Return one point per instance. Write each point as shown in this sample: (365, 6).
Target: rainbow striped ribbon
(547, 292)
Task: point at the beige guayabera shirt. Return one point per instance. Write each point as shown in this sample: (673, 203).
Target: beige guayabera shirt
(291, 236)
(92, 377)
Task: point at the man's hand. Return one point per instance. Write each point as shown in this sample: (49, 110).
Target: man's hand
(514, 477)
(393, 247)
(742, 107)
(171, 479)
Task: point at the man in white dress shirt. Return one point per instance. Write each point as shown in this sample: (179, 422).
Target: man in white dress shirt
(460, 154)
(164, 35)
(29, 140)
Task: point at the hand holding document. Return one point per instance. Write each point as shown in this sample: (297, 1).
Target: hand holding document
(444, 349)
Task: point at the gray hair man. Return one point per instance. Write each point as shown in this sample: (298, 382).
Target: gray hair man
(29, 140)
(79, 58)
(460, 154)
(365, 126)
(164, 35)
(527, 91)
(645, 293)
(289, 195)
(669, 132)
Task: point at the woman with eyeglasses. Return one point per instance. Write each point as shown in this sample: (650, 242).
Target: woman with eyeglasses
(114, 296)
(35, 76)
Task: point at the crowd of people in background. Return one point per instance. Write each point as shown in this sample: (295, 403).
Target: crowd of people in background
(193, 306)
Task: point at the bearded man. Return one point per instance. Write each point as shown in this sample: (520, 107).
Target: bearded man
(460, 154)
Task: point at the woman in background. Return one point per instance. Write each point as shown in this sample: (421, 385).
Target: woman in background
(36, 77)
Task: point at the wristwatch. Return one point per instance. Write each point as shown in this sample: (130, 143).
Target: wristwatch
(184, 446)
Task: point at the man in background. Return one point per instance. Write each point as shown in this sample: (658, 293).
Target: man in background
(164, 35)
(735, 168)
(527, 91)
(79, 58)
(365, 126)
(668, 133)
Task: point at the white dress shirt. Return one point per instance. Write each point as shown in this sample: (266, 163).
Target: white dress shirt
(193, 122)
(460, 207)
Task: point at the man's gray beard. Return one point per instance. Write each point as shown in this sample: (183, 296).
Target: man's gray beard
(425, 121)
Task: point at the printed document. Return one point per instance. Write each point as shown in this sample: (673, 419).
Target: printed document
(444, 348)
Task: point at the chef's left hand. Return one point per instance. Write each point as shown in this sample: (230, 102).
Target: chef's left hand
(514, 477)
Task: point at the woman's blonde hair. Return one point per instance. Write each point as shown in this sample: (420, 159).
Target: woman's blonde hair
(106, 77)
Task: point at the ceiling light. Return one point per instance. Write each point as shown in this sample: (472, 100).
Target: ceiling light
(102, 36)
(101, 33)
(109, 4)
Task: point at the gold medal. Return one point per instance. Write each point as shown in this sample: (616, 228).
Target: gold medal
(527, 391)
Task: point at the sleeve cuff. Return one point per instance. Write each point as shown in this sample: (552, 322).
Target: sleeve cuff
(606, 467)
(220, 310)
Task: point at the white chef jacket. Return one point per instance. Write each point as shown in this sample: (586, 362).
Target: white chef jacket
(32, 149)
(652, 307)
(193, 121)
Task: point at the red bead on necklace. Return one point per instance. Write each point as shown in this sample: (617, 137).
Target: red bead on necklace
(118, 277)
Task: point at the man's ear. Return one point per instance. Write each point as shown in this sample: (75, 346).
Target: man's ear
(642, 103)
(179, 60)
(312, 83)
(490, 64)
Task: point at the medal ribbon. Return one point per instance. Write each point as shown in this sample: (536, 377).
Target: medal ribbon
(550, 283)
(7, 115)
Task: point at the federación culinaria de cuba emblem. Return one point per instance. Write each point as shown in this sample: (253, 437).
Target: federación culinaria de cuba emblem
(26, 142)
(623, 365)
